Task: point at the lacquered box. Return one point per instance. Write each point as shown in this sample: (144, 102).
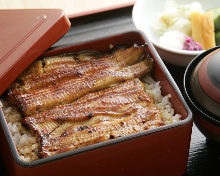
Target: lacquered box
(160, 151)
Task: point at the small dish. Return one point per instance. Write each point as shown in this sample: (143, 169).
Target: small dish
(146, 11)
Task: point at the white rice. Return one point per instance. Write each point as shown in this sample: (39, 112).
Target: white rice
(153, 88)
(26, 141)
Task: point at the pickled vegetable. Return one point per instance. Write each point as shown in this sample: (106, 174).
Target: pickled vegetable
(217, 38)
(203, 29)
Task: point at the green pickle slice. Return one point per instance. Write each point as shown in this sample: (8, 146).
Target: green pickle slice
(216, 15)
(217, 23)
(217, 38)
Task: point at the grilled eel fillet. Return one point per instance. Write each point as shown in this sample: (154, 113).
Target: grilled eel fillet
(71, 90)
(96, 103)
(37, 67)
(66, 66)
(99, 116)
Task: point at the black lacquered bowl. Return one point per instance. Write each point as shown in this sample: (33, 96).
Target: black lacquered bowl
(201, 89)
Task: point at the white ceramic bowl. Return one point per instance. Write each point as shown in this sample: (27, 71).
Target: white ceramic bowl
(146, 11)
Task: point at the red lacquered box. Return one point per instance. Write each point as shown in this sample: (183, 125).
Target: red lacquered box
(160, 151)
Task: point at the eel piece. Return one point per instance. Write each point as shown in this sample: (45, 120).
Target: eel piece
(113, 102)
(65, 67)
(66, 92)
(64, 73)
(66, 58)
(99, 116)
(74, 137)
(35, 68)
(38, 67)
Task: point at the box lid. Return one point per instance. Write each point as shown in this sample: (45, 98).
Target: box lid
(24, 36)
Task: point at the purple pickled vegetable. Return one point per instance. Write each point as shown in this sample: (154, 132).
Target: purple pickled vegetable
(191, 45)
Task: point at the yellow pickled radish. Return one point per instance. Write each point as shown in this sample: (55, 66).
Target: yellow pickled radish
(208, 30)
(203, 29)
(196, 18)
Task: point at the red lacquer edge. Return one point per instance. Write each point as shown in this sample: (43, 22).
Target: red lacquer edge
(91, 12)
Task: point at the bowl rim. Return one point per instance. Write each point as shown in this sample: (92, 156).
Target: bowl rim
(189, 95)
(178, 51)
